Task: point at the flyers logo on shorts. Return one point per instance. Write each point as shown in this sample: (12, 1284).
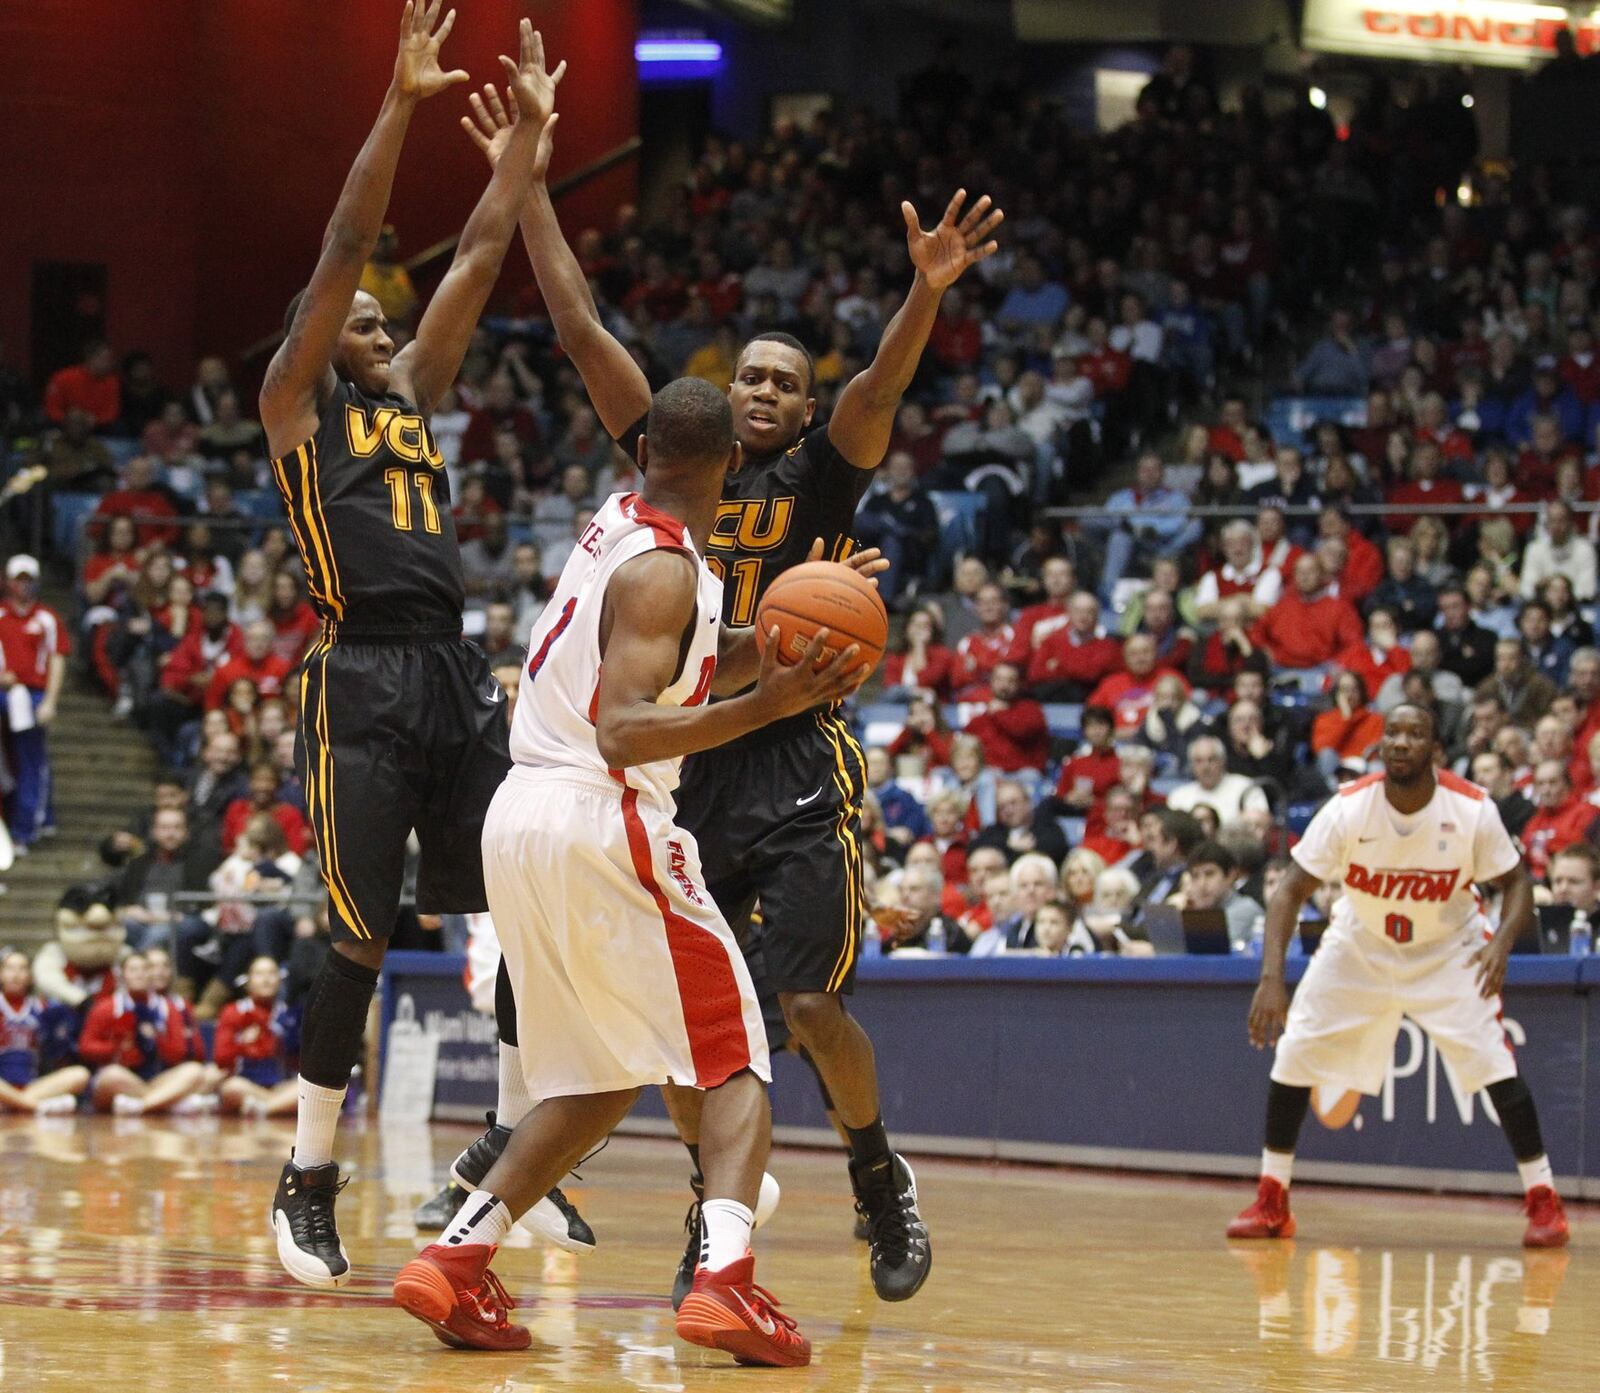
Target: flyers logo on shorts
(678, 867)
(1422, 887)
(406, 435)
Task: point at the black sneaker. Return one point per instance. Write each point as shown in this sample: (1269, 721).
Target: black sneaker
(556, 1221)
(303, 1222)
(469, 1168)
(683, 1281)
(897, 1239)
(552, 1219)
(434, 1215)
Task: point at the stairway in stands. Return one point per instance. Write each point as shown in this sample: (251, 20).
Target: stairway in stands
(103, 772)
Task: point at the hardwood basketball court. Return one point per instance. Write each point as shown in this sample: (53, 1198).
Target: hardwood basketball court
(135, 1254)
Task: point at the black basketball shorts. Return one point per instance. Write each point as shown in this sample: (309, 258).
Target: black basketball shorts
(396, 736)
(777, 816)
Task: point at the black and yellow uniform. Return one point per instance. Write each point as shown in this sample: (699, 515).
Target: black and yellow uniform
(402, 725)
(777, 813)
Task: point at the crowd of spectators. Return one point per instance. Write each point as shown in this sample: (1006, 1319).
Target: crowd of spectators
(1082, 717)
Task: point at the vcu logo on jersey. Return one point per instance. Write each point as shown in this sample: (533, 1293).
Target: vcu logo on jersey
(405, 433)
(752, 524)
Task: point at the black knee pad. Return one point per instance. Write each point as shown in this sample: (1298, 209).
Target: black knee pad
(505, 1006)
(335, 1021)
(1286, 1111)
(1519, 1118)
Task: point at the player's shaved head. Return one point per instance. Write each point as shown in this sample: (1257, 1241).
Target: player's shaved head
(1425, 712)
(690, 423)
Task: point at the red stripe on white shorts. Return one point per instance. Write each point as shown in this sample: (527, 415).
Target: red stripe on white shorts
(713, 1009)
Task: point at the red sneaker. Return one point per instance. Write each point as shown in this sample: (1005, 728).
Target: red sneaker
(1268, 1217)
(453, 1290)
(726, 1310)
(1547, 1220)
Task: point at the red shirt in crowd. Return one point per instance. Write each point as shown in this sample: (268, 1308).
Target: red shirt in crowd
(956, 343)
(1581, 372)
(1129, 697)
(937, 673)
(248, 1031)
(1549, 832)
(1014, 736)
(78, 389)
(140, 1033)
(288, 817)
(1108, 369)
(1420, 492)
(138, 503)
(29, 638)
(268, 675)
(1369, 667)
(978, 654)
(1305, 633)
(1061, 658)
(1363, 568)
(1101, 768)
(189, 670)
(934, 745)
(294, 631)
(1032, 626)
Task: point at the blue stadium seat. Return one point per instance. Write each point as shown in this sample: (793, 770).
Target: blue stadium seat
(880, 721)
(1299, 815)
(265, 505)
(958, 523)
(1064, 719)
(1290, 419)
(68, 513)
(1073, 829)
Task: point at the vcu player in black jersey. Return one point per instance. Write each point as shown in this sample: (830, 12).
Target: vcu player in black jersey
(777, 813)
(402, 726)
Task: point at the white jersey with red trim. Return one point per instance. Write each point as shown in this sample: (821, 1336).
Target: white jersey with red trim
(554, 723)
(1408, 879)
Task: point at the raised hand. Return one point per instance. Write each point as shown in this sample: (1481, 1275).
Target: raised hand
(530, 87)
(492, 122)
(868, 563)
(416, 67)
(956, 243)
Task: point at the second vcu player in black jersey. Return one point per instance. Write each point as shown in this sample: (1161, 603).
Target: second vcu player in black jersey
(402, 726)
(777, 814)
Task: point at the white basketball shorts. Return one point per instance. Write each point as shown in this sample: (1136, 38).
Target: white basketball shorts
(624, 972)
(1346, 1012)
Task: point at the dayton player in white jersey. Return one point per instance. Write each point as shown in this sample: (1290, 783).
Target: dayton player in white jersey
(612, 942)
(1408, 937)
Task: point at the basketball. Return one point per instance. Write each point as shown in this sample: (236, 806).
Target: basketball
(823, 595)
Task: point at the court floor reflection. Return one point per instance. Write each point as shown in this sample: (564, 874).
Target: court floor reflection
(135, 1253)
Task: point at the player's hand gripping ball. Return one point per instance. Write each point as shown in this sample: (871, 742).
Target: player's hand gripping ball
(823, 595)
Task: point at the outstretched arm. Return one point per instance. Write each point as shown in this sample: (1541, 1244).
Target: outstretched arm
(300, 374)
(641, 638)
(619, 390)
(864, 417)
(429, 363)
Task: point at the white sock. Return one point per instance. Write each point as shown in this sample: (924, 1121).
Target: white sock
(513, 1104)
(315, 1124)
(481, 1219)
(1536, 1172)
(728, 1224)
(1277, 1165)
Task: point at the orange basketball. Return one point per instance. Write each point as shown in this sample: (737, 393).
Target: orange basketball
(823, 595)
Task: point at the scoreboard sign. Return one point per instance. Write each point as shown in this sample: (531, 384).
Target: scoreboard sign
(1496, 33)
